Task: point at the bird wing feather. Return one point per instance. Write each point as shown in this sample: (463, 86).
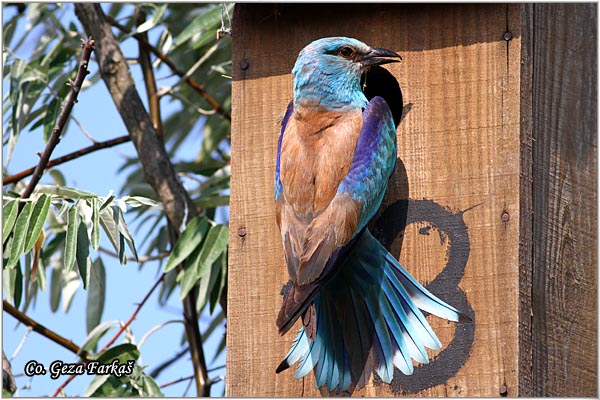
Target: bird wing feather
(331, 175)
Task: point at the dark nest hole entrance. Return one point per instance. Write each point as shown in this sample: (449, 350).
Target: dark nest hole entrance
(378, 81)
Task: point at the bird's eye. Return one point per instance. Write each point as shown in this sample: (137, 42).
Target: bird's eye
(346, 52)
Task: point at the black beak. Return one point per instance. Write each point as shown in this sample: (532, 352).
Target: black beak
(378, 56)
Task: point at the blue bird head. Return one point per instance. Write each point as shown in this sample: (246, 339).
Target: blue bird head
(327, 72)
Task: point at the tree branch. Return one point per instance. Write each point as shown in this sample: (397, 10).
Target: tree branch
(62, 119)
(42, 330)
(192, 83)
(68, 157)
(148, 74)
(116, 336)
(158, 169)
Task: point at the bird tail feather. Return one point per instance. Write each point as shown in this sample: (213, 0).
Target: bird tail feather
(368, 318)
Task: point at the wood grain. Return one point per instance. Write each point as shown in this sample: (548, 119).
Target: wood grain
(564, 195)
(463, 188)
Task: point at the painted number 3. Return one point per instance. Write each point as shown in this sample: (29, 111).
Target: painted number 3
(453, 228)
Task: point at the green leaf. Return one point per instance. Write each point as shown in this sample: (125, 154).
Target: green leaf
(82, 254)
(97, 333)
(123, 230)
(206, 283)
(150, 388)
(217, 290)
(71, 238)
(95, 384)
(123, 352)
(18, 285)
(187, 242)
(9, 216)
(96, 295)
(58, 177)
(66, 192)
(71, 284)
(56, 280)
(52, 113)
(20, 235)
(138, 201)
(107, 221)
(214, 245)
(55, 244)
(202, 21)
(188, 277)
(12, 281)
(36, 223)
(95, 224)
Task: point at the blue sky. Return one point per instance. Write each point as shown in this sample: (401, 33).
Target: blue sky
(126, 285)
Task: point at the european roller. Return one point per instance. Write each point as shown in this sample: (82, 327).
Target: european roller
(360, 309)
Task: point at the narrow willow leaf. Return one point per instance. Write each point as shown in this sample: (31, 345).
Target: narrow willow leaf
(123, 352)
(122, 227)
(188, 277)
(214, 245)
(64, 191)
(138, 201)
(150, 388)
(217, 290)
(82, 254)
(95, 384)
(36, 223)
(97, 333)
(52, 113)
(56, 280)
(96, 296)
(107, 202)
(95, 224)
(9, 216)
(41, 273)
(58, 177)
(18, 285)
(20, 235)
(69, 289)
(71, 238)
(108, 224)
(188, 241)
(53, 245)
(8, 282)
(207, 282)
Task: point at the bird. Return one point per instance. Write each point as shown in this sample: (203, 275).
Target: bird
(360, 309)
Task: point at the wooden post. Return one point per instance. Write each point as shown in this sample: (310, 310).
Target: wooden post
(492, 205)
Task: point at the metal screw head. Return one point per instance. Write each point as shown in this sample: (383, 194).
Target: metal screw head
(503, 390)
(242, 232)
(505, 216)
(244, 64)
(507, 36)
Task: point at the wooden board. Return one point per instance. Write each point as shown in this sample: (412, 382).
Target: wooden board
(456, 186)
(559, 335)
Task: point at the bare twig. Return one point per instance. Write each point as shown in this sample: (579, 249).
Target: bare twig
(133, 315)
(141, 259)
(193, 84)
(68, 157)
(165, 364)
(187, 378)
(42, 330)
(148, 74)
(62, 119)
(116, 335)
(156, 328)
(21, 343)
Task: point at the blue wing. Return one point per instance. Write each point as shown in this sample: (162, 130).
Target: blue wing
(374, 160)
(288, 113)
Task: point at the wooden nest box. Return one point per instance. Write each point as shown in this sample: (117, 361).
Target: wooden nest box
(493, 203)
